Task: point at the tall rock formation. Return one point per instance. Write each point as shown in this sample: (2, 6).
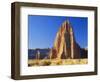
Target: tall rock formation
(65, 46)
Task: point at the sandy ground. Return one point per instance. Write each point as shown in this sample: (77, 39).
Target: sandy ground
(50, 62)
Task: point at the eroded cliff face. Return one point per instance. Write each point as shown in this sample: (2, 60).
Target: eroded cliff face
(65, 46)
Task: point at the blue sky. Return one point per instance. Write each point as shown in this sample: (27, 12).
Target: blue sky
(42, 30)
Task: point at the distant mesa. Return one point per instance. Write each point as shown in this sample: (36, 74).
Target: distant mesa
(38, 53)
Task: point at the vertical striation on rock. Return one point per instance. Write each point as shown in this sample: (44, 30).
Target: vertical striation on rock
(65, 46)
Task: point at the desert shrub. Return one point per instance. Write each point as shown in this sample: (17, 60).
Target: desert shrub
(33, 64)
(59, 62)
(29, 65)
(46, 63)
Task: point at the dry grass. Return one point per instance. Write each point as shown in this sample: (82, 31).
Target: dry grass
(48, 62)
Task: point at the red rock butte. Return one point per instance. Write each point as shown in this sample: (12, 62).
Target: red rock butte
(65, 46)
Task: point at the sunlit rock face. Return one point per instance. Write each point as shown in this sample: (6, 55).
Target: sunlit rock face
(65, 46)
